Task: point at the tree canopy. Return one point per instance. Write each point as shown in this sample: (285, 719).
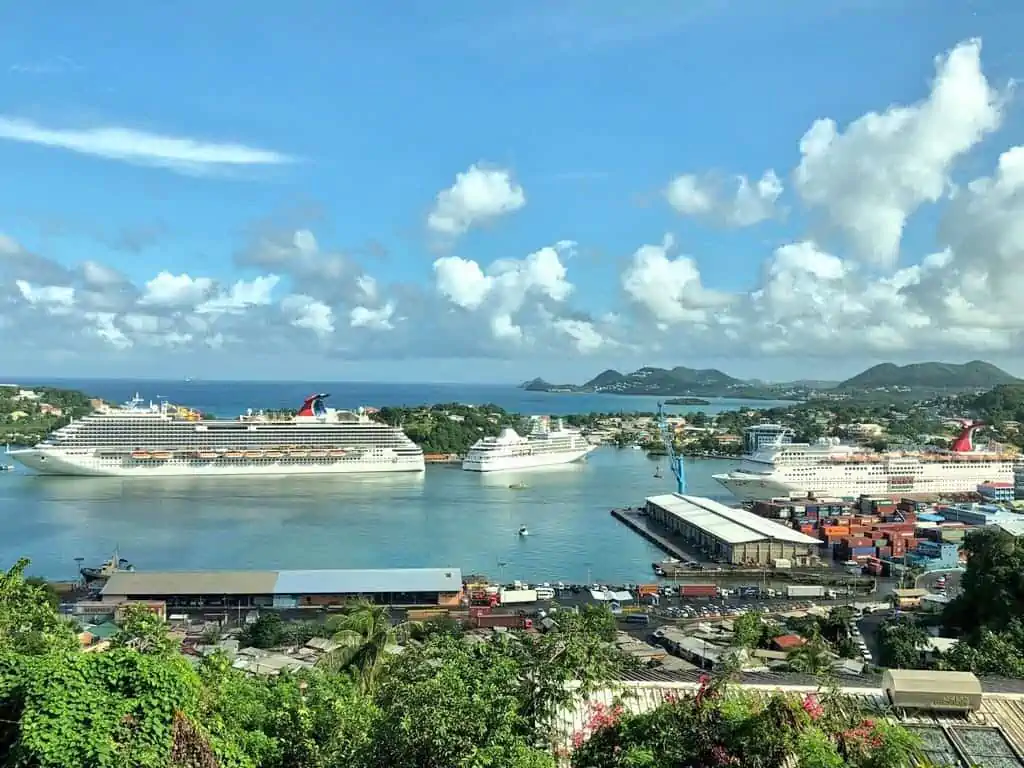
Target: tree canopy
(443, 702)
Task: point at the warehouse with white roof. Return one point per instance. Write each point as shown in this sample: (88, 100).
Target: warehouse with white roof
(730, 535)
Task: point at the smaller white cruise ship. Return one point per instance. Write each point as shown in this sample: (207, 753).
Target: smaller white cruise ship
(543, 447)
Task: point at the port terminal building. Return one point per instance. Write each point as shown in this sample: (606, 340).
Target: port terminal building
(730, 535)
(287, 589)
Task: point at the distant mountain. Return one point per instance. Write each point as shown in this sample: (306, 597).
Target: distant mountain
(976, 374)
(678, 381)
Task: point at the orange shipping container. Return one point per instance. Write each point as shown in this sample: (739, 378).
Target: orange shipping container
(836, 531)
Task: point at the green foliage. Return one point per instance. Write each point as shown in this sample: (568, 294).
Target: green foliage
(442, 703)
(268, 631)
(448, 427)
(717, 727)
(901, 643)
(22, 421)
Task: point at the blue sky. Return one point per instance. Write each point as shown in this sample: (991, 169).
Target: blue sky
(347, 120)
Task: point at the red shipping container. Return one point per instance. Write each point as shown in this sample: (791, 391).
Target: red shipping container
(853, 543)
(885, 552)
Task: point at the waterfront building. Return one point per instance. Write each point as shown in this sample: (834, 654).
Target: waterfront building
(730, 535)
(288, 589)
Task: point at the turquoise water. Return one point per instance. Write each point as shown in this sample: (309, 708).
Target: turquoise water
(445, 517)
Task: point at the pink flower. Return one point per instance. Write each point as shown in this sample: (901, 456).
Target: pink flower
(812, 706)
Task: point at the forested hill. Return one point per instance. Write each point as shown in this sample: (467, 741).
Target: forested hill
(976, 374)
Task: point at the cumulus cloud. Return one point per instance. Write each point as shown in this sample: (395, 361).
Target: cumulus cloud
(478, 195)
(868, 179)
(736, 203)
(185, 155)
(808, 294)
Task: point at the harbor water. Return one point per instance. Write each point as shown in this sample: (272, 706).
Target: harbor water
(444, 517)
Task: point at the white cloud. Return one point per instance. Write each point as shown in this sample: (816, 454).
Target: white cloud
(478, 195)
(669, 289)
(708, 197)
(56, 299)
(867, 180)
(243, 294)
(309, 313)
(185, 155)
(378, 319)
(176, 290)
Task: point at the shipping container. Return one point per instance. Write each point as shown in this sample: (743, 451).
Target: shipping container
(698, 590)
(836, 531)
(804, 590)
(515, 596)
(646, 590)
(510, 620)
(884, 551)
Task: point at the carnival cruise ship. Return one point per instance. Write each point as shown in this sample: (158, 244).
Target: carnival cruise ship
(773, 466)
(137, 440)
(543, 447)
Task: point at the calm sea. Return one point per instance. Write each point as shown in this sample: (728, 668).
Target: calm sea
(445, 517)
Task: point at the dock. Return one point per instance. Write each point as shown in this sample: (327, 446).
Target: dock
(640, 523)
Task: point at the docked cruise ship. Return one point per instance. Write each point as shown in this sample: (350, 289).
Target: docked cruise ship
(774, 466)
(543, 447)
(138, 439)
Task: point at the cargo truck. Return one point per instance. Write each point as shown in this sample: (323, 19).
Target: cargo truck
(805, 590)
(508, 620)
(698, 590)
(517, 596)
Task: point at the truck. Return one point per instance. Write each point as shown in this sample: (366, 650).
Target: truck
(517, 596)
(507, 620)
(698, 590)
(805, 590)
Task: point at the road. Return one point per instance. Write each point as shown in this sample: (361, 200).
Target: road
(928, 581)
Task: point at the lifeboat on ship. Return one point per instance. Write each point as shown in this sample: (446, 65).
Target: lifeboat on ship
(254, 454)
(273, 454)
(140, 455)
(318, 453)
(298, 453)
(338, 453)
(233, 455)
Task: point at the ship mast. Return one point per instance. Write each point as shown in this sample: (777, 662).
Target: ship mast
(675, 462)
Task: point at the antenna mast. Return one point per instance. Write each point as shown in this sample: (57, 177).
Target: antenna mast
(675, 462)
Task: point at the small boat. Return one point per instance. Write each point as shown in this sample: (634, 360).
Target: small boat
(338, 452)
(140, 454)
(207, 455)
(6, 467)
(254, 454)
(519, 486)
(115, 564)
(657, 472)
(298, 454)
(523, 531)
(233, 455)
(273, 454)
(318, 454)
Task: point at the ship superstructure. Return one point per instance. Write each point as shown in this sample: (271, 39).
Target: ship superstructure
(140, 439)
(543, 446)
(779, 467)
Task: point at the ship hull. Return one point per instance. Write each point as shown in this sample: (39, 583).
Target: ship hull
(51, 462)
(755, 488)
(534, 461)
(767, 487)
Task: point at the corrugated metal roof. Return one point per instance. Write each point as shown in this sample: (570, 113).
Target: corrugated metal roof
(357, 582)
(190, 583)
(733, 526)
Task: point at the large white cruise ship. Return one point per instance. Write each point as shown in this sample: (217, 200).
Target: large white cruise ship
(139, 440)
(543, 447)
(774, 466)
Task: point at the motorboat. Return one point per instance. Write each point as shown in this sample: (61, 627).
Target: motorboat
(523, 531)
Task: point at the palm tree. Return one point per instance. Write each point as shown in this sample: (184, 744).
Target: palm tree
(811, 658)
(365, 635)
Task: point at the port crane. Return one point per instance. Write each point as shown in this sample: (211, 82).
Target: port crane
(675, 462)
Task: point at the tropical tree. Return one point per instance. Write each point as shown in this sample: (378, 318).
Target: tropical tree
(365, 635)
(900, 643)
(813, 658)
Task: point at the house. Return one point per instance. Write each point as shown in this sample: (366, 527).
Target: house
(787, 643)
(51, 410)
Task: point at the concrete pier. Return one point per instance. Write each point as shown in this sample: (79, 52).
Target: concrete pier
(641, 524)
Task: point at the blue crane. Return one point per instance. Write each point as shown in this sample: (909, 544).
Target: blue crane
(675, 462)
